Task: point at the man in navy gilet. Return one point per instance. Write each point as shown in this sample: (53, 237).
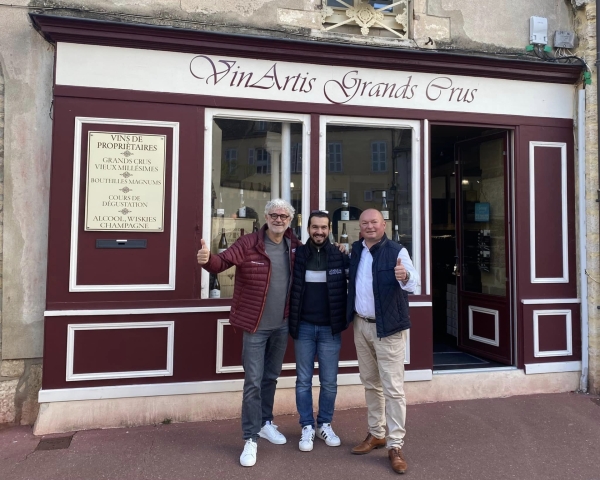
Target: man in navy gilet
(381, 275)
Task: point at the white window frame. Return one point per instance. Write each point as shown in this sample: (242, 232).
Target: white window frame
(377, 161)
(335, 163)
(209, 115)
(415, 126)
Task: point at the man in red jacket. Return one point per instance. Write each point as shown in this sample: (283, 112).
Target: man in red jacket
(264, 261)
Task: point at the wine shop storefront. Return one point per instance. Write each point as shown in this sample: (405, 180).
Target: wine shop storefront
(163, 137)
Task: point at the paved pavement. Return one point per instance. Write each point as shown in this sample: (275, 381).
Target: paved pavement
(528, 437)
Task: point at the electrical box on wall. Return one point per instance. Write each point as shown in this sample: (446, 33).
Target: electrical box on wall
(538, 30)
(564, 39)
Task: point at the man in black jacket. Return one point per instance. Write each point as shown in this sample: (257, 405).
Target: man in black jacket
(317, 318)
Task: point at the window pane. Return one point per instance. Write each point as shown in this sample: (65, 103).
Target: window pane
(239, 194)
(389, 170)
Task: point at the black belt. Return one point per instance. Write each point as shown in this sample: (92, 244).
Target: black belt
(366, 319)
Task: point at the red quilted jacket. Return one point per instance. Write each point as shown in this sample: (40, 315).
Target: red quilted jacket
(253, 271)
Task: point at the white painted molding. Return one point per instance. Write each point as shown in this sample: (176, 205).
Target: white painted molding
(166, 389)
(169, 349)
(426, 206)
(159, 311)
(73, 285)
(415, 127)
(552, 367)
(549, 301)
(212, 113)
(223, 322)
(496, 341)
(568, 333)
(473, 370)
(563, 195)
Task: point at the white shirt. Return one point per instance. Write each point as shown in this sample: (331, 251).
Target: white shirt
(364, 303)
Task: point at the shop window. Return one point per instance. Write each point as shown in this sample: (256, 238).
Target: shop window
(334, 156)
(376, 17)
(241, 185)
(363, 182)
(231, 160)
(378, 157)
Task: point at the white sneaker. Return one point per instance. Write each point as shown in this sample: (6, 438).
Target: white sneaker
(325, 432)
(306, 439)
(270, 432)
(248, 456)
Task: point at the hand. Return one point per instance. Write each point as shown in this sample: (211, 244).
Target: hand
(203, 253)
(341, 247)
(400, 271)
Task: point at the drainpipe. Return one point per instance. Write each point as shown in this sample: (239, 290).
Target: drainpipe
(583, 381)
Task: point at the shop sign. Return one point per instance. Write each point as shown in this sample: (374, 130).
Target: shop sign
(125, 187)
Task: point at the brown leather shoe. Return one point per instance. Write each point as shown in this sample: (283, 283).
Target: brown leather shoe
(368, 444)
(397, 461)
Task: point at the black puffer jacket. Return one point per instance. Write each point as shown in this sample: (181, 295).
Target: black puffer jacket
(337, 265)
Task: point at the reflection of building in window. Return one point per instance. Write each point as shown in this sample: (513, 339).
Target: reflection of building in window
(296, 158)
(334, 156)
(260, 126)
(263, 161)
(374, 17)
(231, 160)
(378, 156)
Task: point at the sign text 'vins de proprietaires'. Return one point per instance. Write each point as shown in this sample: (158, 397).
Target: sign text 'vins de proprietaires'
(125, 188)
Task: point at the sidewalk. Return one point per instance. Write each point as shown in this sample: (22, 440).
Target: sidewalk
(534, 437)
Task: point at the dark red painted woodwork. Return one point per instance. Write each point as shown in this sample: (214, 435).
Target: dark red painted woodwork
(548, 227)
(152, 37)
(110, 350)
(314, 163)
(484, 325)
(128, 266)
(552, 332)
(554, 336)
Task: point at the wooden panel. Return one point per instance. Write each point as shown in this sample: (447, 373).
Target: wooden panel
(114, 350)
(548, 212)
(484, 325)
(552, 332)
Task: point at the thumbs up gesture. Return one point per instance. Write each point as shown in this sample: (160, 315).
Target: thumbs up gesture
(203, 253)
(400, 271)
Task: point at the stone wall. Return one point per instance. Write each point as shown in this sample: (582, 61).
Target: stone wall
(585, 24)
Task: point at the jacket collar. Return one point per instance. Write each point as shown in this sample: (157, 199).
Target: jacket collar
(373, 250)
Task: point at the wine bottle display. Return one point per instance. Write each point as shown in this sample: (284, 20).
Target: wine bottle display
(345, 211)
(242, 209)
(220, 208)
(298, 231)
(384, 206)
(331, 237)
(215, 287)
(344, 238)
(396, 237)
(222, 242)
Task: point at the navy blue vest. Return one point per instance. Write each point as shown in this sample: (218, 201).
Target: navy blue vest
(391, 302)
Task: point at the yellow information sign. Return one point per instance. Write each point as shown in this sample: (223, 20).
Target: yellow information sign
(125, 188)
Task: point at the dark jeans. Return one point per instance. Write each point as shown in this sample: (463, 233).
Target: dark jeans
(262, 357)
(315, 339)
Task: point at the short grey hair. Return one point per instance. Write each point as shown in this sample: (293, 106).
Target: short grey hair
(280, 203)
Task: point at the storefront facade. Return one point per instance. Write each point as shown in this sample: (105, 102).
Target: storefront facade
(164, 137)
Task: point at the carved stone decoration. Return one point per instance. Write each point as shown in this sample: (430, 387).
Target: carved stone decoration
(326, 12)
(365, 16)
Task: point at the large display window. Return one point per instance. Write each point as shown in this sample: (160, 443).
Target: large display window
(251, 158)
(371, 163)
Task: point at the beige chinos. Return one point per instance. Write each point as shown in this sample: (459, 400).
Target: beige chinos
(381, 367)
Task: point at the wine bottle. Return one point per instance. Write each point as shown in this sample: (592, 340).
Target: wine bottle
(222, 242)
(220, 208)
(215, 288)
(345, 211)
(396, 237)
(255, 226)
(384, 206)
(344, 238)
(242, 232)
(242, 209)
(331, 237)
(298, 231)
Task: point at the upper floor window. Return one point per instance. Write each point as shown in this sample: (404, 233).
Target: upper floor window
(381, 15)
(231, 160)
(263, 161)
(378, 156)
(334, 156)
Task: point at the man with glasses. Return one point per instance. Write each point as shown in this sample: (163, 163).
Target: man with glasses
(380, 277)
(264, 261)
(317, 318)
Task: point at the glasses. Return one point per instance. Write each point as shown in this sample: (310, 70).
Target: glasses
(275, 216)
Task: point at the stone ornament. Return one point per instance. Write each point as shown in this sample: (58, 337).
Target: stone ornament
(365, 16)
